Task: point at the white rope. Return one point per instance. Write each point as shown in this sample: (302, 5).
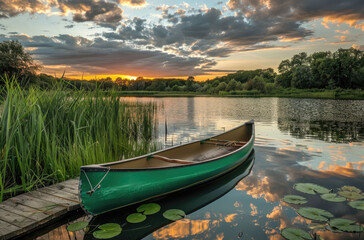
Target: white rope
(93, 189)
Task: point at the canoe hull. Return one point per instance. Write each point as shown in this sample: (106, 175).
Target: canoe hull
(123, 187)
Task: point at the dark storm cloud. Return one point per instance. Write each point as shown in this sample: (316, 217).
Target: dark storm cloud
(297, 10)
(103, 13)
(100, 56)
(10, 8)
(132, 30)
(209, 33)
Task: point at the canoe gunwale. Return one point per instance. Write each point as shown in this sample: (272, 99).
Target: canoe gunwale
(101, 168)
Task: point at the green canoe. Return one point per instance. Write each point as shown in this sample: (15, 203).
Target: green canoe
(109, 186)
(188, 200)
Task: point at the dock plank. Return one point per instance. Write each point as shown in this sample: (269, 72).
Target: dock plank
(59, 193)
(70, 205)
(17, 220)
(7, 230)
(40, 204)
(36, 209)
(24, 211)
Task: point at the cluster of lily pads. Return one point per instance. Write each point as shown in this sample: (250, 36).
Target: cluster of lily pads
(346, 193)
(110, 230)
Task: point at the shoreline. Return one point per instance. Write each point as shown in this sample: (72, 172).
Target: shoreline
(333, 95)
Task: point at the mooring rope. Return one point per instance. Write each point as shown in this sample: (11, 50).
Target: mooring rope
(93, 189)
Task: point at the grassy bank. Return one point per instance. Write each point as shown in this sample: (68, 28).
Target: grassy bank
(47, 136)
(352, 94)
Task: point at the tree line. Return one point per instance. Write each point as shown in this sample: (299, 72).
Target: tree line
(343, 69)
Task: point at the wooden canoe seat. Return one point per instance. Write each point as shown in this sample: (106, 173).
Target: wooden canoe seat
(228, 143)
(171, 160)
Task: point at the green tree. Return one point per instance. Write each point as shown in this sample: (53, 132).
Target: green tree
(302, 77)
(222, 87)
(256, 83)
(231, 85)
(15, 61)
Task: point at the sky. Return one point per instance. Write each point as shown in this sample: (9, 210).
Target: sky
(172, 38)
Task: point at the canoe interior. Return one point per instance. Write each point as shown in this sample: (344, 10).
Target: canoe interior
(194, 152)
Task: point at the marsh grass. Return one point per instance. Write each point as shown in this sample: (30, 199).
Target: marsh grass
(47, 135)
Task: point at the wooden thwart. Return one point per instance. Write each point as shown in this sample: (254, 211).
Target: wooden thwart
(172, 160)
(227, 143)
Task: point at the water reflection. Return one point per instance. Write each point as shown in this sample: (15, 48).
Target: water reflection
(297, 140)
(189, 201)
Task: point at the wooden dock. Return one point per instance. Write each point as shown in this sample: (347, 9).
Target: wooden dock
(33, 210)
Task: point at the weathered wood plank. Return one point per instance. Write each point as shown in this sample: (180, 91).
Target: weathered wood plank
(65, 188)
(7, 230)
(59, 193)
(39, 204)
(17, 220)
(24, 211)
(70, 205)
(29, 211)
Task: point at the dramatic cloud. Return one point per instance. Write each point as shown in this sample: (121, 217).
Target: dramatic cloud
(348, 11)
(10, 8)
(208, 33)
(103, 13)
(99, 56)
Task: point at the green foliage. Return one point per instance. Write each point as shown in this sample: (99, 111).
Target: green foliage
(77, 226)
(333, 197)
(149, 208)
(257, 83)
(47, 136)
(310, 188)
(295, 234)
(108, 230)
(136, 218)
(15, 61)
(294, 199)
(302, 77)
(221, 87)
(315, 213)
(343, 69)
(174, 214)
(345, 225)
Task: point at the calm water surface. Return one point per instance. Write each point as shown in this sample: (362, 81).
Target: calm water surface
(297, 140)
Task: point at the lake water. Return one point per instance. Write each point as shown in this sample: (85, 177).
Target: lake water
(297, 141)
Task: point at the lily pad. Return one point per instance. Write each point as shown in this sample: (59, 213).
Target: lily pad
(174, 214)
(315, 213)
(295, 234)
(351, 195)
(350, 189)
(310, 188)
(332, 197)
(357, 204)
(149, 208)
(294, 199)
(136, 218)
(345, 225)
(77, 226)
(108, 230)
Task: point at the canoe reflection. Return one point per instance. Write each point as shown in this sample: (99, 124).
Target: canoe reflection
(188, 200)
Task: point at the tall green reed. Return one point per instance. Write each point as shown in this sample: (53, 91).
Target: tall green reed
(47, 135)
